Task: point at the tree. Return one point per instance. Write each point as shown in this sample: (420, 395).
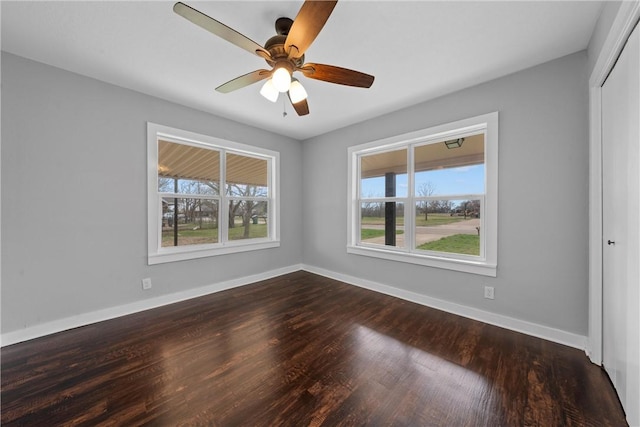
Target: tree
(192, 207)
(471, 208)
(372, 209)
(245, 208)
(441, 206)
(165, 185)
(427, 189)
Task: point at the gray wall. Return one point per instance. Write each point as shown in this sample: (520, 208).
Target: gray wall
(74, 202)
(74, 196)
(543, 197)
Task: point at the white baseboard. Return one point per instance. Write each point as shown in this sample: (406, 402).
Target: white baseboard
(536, 330)
(84, 319)
(529, 328)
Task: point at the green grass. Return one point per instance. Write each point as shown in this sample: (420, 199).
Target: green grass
(369, 233)
(188, 236)
(467, 244)
(255, 231)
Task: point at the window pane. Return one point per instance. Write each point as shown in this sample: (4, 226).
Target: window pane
(186, 169)
(246, 176)
(196, 221)
(384, 174)
(248, 219)
(450, 167)
(373, 220)
(451, 226)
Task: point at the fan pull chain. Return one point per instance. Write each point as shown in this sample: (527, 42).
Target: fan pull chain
(284, 108)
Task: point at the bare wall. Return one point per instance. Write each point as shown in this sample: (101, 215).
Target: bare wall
(74, 204)
(543, 197)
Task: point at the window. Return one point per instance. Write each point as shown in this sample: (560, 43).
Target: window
(428, 197)
(208, 196)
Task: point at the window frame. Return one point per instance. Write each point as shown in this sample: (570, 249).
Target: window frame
(158, 254)
(486, 263)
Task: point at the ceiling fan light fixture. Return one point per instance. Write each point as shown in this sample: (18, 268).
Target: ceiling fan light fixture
(269, 91)
(281, 79)
(284, 52)
(297, 92)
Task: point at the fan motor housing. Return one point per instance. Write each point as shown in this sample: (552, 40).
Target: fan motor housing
(275, 45)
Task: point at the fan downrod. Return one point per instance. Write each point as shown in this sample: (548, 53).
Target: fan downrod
(283, 25)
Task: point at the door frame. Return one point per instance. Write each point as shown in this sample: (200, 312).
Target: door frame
(626, 18)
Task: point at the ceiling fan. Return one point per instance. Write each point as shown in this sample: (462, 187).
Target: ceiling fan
(284, 52)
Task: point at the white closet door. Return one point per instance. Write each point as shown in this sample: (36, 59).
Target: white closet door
(621, 227)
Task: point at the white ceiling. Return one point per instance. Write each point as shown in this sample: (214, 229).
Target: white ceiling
(417, 50)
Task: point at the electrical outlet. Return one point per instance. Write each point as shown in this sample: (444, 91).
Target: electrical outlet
(488, 292)
(146, 283)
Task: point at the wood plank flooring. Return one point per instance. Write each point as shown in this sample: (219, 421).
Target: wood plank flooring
(301, 350)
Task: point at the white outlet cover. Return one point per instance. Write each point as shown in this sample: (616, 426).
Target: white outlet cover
(489, 292)
(146, 283)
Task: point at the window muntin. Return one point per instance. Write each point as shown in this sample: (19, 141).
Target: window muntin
(208, 196)
(448, 191)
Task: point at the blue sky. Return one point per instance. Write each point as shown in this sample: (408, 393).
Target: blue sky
(461, 180)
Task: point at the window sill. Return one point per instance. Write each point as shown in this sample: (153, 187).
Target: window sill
(474, 267)
(186, 253)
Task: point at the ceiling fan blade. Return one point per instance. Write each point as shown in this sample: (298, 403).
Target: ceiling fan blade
(219, 29)
(242, 81)
(308, 23)
(302, 107)
(338, 75)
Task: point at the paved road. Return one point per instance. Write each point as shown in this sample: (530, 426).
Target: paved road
(429, 234)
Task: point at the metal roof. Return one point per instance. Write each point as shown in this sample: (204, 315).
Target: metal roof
(196, 163)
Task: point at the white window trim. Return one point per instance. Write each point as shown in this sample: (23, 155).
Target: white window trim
(158, 254)
(486, 265)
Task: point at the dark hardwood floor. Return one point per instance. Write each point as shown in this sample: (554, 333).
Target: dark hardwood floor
(301, 350)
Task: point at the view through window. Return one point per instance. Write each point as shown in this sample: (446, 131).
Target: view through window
(427, 197)
(448, 196)
(210, 196)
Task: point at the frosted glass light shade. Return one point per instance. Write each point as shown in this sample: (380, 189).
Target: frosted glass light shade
(297, 92)
(269, 91)
(281, 79)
